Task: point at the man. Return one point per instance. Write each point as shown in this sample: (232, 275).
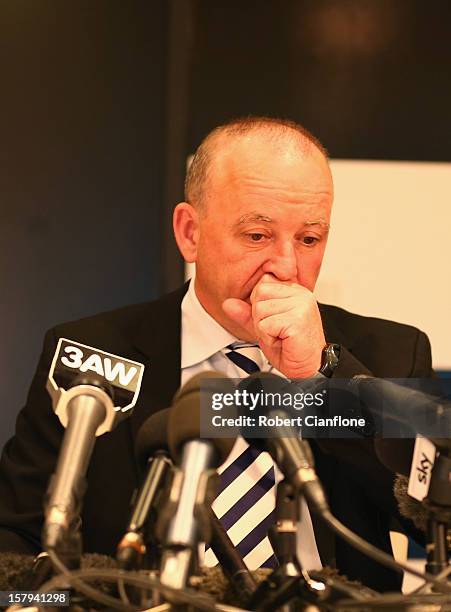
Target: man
(255, 222)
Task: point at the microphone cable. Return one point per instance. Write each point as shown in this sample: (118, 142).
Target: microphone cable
(77, 580)
(443, 574)
(397, 601)
(378, 555)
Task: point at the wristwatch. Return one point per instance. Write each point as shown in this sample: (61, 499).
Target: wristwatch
(329, 359)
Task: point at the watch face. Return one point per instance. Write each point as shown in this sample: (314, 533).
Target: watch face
(329, 360)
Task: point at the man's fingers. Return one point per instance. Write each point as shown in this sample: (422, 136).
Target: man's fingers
(265, 339)
(267, 343)
(267, 308)
(270, 329)
(268, 291)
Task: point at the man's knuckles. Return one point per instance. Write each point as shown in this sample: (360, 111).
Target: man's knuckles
(270, 326)
(266, 308)
(267, 291)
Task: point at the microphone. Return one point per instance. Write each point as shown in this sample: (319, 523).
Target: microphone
(414, 458)
(92, 391)
(41, 572)
(413, 410)
(425, 497)
(429, 517)
(243, 582)
(429, 476)
(426, 416)
(153, 438)
(409, 507)
(395, 453)
(151, 448)
(292, 454)
(190, 491)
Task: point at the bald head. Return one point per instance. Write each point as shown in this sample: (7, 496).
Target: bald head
(226, 145)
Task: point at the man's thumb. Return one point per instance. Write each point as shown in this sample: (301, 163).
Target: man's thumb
(238, 311)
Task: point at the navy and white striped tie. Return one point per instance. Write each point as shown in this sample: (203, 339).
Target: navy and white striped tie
(246, 499)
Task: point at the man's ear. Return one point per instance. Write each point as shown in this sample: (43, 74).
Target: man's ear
(186, 230)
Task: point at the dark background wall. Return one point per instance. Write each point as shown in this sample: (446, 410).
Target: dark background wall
(80, 169)
(370, 78)
(101, 101)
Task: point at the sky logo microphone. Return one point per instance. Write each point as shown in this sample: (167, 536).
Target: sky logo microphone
(421, 469)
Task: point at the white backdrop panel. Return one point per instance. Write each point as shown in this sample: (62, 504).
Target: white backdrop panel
(390, 244)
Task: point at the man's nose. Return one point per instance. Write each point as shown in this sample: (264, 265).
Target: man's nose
(282, 262)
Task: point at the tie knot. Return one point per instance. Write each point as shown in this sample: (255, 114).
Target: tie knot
(248, 357)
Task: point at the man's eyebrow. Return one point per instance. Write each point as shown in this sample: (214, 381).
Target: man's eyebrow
(251, 218)
(321, 222)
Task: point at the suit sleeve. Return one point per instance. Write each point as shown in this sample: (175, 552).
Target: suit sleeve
(422, 359)
(27, 462)
(349, 365)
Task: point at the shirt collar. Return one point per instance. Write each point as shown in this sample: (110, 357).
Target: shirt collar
(202, 336)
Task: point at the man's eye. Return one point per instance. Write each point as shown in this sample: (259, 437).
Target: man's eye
(255, 237)
(309, 240)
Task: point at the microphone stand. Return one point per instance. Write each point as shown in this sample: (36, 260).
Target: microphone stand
(438, 503)
(230, 560)
(180, 558)
(68, 549)
(288, 588)
(139, 542)
(68, 546)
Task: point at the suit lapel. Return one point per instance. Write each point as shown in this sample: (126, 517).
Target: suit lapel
(158, 340)
(331, 330)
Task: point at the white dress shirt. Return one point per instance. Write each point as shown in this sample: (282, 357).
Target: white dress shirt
(203, 342)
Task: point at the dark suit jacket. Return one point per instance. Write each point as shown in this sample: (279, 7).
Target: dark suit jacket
(359, 488)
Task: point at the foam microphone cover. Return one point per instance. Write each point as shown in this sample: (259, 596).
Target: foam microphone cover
(16, 568)
(15, 571)
(408, 506)
(185, 414)
(267, 383)
(213, 582)
(152, 436)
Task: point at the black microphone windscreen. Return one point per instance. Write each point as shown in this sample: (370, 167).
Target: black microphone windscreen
(152, 436)
(395, 453)
(263, 380)
(263, 385)
(185, 414)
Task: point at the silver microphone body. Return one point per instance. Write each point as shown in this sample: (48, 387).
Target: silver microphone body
(85, 414)
(198, 456)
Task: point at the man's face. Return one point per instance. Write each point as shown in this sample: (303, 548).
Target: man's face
(267, 211)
